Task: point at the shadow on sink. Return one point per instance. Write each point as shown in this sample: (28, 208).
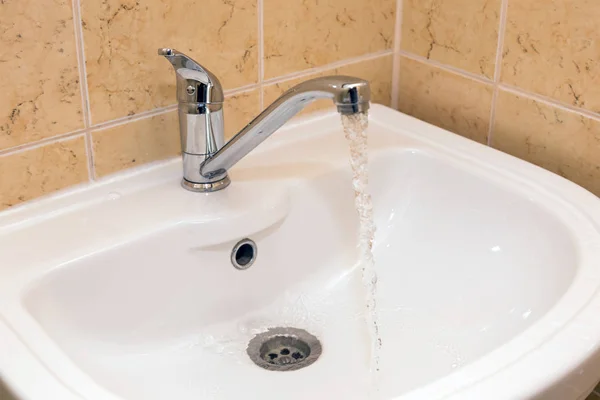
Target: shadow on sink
(5, 394)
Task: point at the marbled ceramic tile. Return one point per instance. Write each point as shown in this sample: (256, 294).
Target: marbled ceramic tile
(461, 33)
(445, 99)
(136, 143)
(239, 110)
(301, 34)
(29, 174)
(39, 79)
(377, 71)
(125, 74)
(552, 47)
(561, 141)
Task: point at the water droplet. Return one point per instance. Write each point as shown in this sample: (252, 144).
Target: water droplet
(114, 195)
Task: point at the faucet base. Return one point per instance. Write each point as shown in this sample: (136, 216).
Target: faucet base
(206, 187)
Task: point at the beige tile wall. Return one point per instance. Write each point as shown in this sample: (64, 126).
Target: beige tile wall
(522, 76)
(84, 94)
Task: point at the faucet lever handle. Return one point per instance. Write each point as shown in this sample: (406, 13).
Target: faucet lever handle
(194, 82)
(180, 60)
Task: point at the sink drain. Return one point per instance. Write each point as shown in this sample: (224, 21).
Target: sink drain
(284, 349)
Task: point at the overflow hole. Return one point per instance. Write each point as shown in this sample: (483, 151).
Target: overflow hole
(244, 254)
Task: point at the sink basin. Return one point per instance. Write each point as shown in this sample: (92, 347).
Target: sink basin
(488, 266)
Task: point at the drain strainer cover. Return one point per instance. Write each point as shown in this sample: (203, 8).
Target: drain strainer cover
(284, 349)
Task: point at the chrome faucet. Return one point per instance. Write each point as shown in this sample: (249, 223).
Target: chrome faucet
(206, 158)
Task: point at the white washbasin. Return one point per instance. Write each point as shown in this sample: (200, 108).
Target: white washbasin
(488, 269)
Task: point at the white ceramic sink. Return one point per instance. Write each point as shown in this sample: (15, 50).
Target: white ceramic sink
(489, 270)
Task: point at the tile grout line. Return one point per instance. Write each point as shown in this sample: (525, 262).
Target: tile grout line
(446, 67)
(81, 62)
(498, 68)
(261, 55)
(133, 118)
(85, 97)
(549, 101)
(241, 89)
(44, 142)
(337, 64)
(501, 35)
(492, 115)
(396, 55)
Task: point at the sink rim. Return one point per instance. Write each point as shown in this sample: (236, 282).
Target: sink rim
(524, 176)
(511, 380)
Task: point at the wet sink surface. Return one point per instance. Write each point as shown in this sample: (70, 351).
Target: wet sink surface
(131, 293)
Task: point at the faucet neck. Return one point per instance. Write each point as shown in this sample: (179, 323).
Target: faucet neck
(350, 95)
